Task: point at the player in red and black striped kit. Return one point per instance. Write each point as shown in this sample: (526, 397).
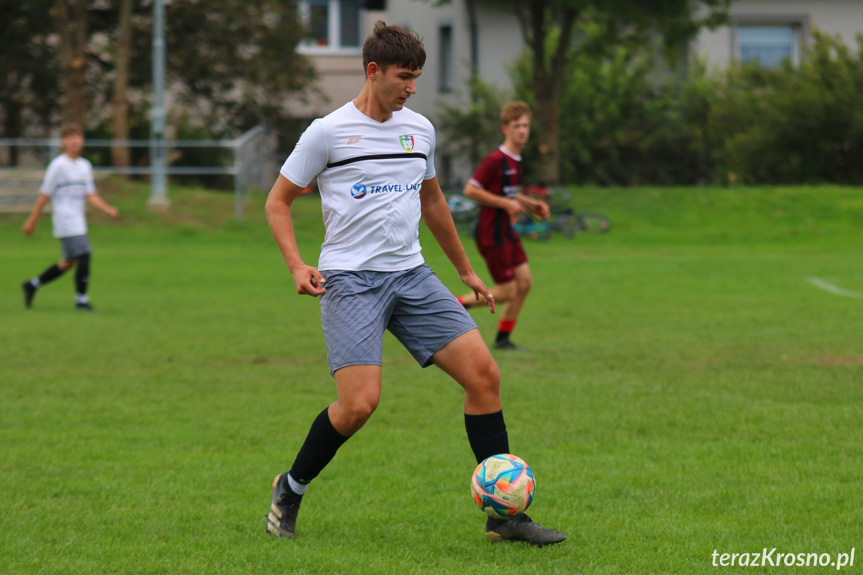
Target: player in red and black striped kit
(496, 186)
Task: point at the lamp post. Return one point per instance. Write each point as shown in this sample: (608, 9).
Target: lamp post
(158, 165)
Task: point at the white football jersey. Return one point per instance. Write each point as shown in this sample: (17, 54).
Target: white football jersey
(369, 175)
(67, 182)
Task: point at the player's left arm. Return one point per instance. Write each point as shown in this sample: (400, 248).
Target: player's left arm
(536, 207)
(97, 202)
(436, 215)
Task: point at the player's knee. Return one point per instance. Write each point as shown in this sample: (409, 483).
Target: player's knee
(358, 412)
(487, 377)
(524, 284)
(66, 264)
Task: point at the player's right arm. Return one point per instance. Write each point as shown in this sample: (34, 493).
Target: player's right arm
(46, 189)
(307, 279)
(30, 225)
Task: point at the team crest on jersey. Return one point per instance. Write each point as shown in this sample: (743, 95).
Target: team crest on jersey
(407, 142)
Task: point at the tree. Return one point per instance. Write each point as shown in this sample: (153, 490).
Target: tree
(70, 19)
(28, 71)
(120, 109)
(235, 62)
(550, 32)
(53, 63)
(472, 128)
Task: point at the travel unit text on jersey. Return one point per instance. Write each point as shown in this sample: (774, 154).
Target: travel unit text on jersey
(359, 191)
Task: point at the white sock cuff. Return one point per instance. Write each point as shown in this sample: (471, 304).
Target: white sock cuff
(296, 486)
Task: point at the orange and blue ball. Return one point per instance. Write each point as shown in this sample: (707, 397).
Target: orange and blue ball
(503, 485)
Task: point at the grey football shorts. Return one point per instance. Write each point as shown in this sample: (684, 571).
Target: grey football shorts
(74, 247)
(413, 304)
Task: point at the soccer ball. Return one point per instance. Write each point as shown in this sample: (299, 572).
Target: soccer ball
(503, 486)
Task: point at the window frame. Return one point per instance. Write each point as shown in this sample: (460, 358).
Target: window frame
(799, 24)
(334, 15)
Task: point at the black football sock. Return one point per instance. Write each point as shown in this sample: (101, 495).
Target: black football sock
(50, 275)
(486, 434)
(318, 449)
(82, 274)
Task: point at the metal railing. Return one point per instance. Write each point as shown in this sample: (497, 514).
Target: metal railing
(252, 165)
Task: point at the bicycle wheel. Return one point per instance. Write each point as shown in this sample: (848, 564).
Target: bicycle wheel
(566, 223)
(593, 222)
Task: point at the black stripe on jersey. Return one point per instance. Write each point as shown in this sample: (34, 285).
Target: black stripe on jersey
(500, 230)
(66, 184)
(377, 157)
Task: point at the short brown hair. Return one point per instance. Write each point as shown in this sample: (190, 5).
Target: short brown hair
(513, 111)
(70, 129)
(393, 45)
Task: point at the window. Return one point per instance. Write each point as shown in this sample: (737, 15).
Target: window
(768, 45)
(769, 38)
(335, 25)
(445, 59)
(349, 23)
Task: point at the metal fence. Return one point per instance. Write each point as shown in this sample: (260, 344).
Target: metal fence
(252, 166)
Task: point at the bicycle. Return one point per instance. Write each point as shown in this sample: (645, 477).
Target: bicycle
(564, 219)
(464, 212)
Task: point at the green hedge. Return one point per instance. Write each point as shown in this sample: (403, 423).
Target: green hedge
(792, 126)
(626, 121)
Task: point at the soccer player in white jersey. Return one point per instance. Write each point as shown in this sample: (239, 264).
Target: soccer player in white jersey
(68, 184)
(374, 163)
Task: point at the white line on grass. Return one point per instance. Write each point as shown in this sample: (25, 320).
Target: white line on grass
(834, 289)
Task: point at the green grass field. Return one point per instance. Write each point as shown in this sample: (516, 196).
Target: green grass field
(688, 389)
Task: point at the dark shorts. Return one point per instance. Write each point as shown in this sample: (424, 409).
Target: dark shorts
(413, 305)
(502, 260)
(74, 247)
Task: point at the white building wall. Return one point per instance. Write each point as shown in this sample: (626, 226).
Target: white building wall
(339, 77)
(502, 44)
(499, 43)
(835, 17)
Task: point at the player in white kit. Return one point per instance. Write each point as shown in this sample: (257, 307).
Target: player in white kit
(374, 163)
(68, 185)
